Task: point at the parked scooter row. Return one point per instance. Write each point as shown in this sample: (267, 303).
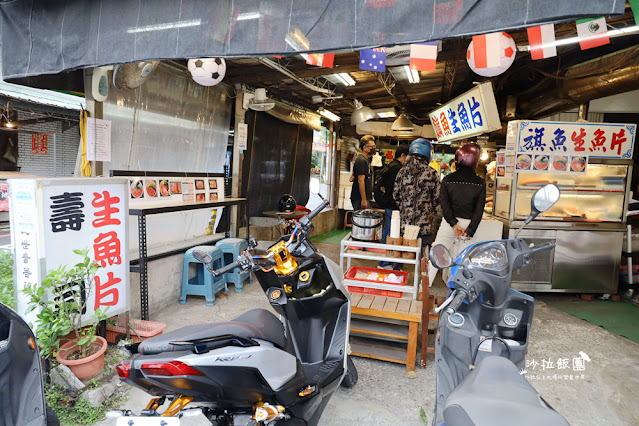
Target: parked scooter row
(260, 369)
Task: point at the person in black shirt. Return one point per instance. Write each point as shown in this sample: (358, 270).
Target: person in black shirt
(388, 202)
(362, 192)
(463, 196)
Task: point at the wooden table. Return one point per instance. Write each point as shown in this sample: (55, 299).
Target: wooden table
(377, 321)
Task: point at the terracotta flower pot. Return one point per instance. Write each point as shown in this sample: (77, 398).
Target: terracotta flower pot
(84, 368)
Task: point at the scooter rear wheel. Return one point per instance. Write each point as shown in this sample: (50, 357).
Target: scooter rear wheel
(350, 379)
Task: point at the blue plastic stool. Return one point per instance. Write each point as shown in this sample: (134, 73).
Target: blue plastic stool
(203, 283)
(232, 248)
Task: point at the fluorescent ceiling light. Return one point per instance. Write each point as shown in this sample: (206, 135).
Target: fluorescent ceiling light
(167, 26)
(331, 116)
(345, 79)
(412, 75)
(247, 16)
(386, 113)
(572, 40)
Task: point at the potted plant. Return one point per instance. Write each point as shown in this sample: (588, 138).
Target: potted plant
(62, 298)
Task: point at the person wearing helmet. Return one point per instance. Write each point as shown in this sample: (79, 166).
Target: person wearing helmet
(463, 195)
(362, 191)
(417, 190)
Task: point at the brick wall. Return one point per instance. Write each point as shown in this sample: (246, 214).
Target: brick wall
(67, 144)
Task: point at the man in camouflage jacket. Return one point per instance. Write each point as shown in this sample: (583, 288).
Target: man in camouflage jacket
(416, 193)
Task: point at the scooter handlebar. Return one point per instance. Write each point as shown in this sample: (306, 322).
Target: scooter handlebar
(315, 212)
(456, 303)
(542, 247)
(225, 269)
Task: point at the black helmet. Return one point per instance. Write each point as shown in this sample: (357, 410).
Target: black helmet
(286, 204)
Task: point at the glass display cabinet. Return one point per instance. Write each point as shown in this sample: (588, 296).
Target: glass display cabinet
(587, 224)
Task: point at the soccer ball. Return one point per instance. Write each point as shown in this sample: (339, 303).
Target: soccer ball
(507, 49)
(207, 71)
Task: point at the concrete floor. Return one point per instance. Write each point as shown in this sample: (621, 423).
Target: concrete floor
(608, 394)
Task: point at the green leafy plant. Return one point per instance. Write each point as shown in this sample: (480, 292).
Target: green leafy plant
(422, 416)
(6, 278)
(78, 411)
(62, 298)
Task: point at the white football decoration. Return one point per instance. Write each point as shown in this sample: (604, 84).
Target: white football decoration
(507, 52)
(207, 71)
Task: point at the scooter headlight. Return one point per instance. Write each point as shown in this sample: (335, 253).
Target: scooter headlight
(490, 256)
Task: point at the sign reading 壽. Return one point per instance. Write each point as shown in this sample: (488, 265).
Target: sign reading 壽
(595, 140)
(471, 114)
(76, 214)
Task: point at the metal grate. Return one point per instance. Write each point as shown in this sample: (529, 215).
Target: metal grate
(539, 271)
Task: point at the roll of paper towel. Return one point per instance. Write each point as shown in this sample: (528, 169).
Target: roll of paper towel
(395, 224)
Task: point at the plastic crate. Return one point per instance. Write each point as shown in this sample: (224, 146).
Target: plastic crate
(143, 329)
(352, 273)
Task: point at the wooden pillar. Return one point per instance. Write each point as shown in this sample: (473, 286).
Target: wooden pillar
(95, 110)
(236, 167)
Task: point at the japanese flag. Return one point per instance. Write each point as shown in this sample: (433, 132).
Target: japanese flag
(592, 33)
(321, 59)
(486, 50)
(542, 42)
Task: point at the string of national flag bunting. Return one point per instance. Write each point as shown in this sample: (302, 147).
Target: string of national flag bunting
(487, 50)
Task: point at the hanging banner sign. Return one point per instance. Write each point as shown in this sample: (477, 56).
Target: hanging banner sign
(44, 144)
(594, 140)
(471, 114)
(35, 143)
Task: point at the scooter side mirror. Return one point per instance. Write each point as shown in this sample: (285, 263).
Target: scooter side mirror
(543, 199)
(440, 257)
(202, 256)
(315, 186)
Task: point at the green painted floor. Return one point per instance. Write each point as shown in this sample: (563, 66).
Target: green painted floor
(332, 237)
(617, 317)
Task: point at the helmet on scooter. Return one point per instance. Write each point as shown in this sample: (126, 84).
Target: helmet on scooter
(286, 204)
(420, 146)
(468, 155)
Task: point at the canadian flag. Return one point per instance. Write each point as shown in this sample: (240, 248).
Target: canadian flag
(486, 50)
(542, 42)
(321, 59)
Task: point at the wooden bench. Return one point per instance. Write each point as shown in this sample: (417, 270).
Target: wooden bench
(383, 321)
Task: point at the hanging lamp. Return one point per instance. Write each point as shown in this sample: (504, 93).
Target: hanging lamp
(402, 123)
(361, 113)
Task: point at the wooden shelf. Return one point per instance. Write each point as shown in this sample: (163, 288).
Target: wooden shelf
(367, 349)
(379, 330)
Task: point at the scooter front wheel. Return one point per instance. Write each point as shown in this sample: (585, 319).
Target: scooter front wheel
(350, 379)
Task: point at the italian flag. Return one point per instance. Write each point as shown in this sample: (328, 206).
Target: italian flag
(321, 59)
(542, 42)
(592, 32)
(486, 50)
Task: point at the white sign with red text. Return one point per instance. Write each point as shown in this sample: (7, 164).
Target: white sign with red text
(53, 217)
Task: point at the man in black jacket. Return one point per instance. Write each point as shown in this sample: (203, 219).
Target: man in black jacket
(463, 196)
(387, 201)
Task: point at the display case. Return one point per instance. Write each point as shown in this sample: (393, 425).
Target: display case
(587, 224)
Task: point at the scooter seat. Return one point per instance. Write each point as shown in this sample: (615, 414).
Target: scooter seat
(254, 324)
(496, 394)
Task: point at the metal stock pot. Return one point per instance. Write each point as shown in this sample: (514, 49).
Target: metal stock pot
(367, 225)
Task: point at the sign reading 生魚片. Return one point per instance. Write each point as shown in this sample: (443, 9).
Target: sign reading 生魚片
(595, 140)
(52, 217)
(470, 114)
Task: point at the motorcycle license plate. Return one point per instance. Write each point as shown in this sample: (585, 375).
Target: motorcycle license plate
(148, 421)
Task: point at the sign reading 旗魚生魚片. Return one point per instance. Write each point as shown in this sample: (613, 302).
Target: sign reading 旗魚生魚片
(75, 214)
(470, 114)
(594, 140)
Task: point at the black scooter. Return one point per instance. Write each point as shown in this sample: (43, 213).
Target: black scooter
(257, 368)
(483, 331)
(21, 387)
